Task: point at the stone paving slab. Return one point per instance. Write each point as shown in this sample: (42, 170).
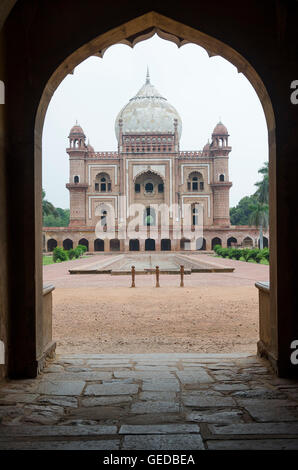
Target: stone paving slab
(67, 388)
(111, 389)
(15, 431)
(157, 401)
(164, 442)
(256, 428)
(159, 429)
(261, 444)
(62, 445)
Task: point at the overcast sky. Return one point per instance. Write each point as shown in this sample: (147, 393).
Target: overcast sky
(202, 90)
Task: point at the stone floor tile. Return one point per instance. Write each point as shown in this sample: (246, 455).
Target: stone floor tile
(172, 428)
(261, 393)
(110, 400)
(218, 417)
(161, 385)
(102, 444)
(163, 442)
(143, 374)
(155, 407)
(156, 396)
(67, 402)
(230, 387)
(39, 431)
(261, 444)
(199, 400)
(256, 429)
(14, 398)
(67, 388)
(99, 413)
(111, 389)
(194, 377)
(272, 413)
(75, 376)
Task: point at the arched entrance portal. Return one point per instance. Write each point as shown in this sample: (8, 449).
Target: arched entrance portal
(215, 241)
(232, 241)
(165, 244)
(51, 244)
(134, 245)
(84, 242)
(99, 245)
(150, 244)
(201, 244)
(115, 244)
(184, 244)
(67, 244)
(265, 242)
(30, 195)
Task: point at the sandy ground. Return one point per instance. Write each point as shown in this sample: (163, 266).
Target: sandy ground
(215, 312)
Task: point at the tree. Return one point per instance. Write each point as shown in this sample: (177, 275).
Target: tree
(262, 192)
(260, 218)
(240, 214)
(47, 207)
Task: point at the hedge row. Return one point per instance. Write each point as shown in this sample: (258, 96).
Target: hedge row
(244, 254)
(59, 254)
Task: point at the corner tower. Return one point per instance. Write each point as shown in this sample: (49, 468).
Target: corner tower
(77, 185)
(219, 152)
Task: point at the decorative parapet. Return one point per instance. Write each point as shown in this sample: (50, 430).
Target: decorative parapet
(192, 154)
(109, 155)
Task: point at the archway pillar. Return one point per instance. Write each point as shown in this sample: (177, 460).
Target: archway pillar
(106, 244)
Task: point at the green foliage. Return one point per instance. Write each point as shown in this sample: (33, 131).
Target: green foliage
(60, 220)
(59, 254)
(253, 210)
(251, 255)
(83, 248)
(240, 214)
(72, 254)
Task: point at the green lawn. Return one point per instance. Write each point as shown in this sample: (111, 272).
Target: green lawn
(46, 259)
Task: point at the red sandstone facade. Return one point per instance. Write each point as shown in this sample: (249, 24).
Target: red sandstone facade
(150, 170)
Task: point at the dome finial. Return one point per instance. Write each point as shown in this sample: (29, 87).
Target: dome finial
(147, 76)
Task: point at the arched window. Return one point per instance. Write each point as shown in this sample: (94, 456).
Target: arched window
(195, 181)
(67, 244)
(137, 188)
(103, 183)
(149, 187)
(221, 177)
(160, 188)
(76, 179)
(51, 244)
(134, 245)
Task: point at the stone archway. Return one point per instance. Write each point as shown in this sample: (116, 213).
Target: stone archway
(67, 244)
(165, 244)
(215, 241)
(84, 242)
(149, 244)
(51, 244)
(61, 61)
(99, 244)
(134, 245)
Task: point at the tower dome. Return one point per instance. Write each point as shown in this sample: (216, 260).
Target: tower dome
(148, 112)
(76, 131)
(220, 129)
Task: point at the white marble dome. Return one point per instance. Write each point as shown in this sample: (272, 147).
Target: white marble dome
(148, 112)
